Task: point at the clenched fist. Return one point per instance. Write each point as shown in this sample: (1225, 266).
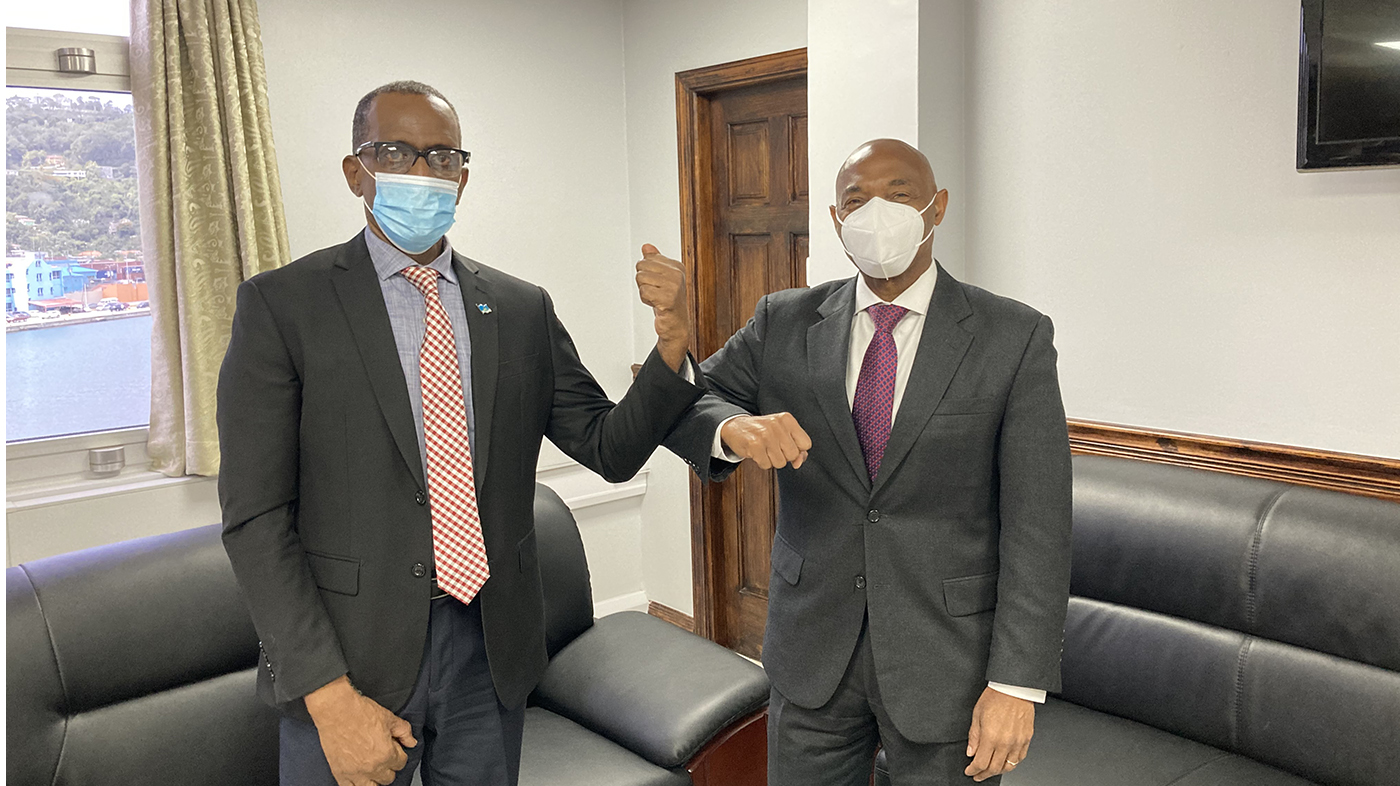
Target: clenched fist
(661, 283)
(771, 441)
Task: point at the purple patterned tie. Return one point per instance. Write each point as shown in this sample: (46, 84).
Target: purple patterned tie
(874, 398)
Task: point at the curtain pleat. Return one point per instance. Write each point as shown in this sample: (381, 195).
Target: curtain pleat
(211, 204)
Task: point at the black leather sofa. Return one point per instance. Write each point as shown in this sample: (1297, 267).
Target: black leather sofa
(1223, 631)
(135, 663)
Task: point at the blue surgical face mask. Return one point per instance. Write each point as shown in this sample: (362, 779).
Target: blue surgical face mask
(413, 211)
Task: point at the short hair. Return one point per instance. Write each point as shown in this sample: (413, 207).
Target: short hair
(360, 129)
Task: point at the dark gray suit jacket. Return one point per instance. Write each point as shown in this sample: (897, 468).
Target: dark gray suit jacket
(322, 488)
(960, 551)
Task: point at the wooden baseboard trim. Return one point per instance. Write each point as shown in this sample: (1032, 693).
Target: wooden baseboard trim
(1372, 476)
(679, 619)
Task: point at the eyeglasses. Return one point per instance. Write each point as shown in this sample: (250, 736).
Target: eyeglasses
(399, 157)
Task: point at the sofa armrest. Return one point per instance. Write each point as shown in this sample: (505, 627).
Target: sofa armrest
(651, 687)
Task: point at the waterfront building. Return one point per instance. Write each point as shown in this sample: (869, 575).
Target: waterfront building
(16, 288)
(126, 291)
(62, 305)
(77, 278)
(30, 277)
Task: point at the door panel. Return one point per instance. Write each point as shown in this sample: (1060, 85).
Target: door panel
(758, 183)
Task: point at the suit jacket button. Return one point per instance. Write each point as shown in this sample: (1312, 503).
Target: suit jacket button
(419, 570)
(421, 497)
(860, 582)
(873, 516)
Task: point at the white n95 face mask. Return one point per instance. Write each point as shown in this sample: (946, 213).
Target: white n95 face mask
(883, 237)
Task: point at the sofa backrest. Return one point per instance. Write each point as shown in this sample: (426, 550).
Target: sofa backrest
(134, 663)
(1259, 617)
(568, 594)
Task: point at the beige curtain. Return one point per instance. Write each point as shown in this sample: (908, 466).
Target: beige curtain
(211, 203)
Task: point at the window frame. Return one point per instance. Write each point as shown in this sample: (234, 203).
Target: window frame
(38, 471)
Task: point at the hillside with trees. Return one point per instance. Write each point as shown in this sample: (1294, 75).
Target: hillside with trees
(49, 206)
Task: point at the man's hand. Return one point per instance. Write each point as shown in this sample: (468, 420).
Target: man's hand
(1000, 735)
(363, 742)
(661, 283)
(772, 441)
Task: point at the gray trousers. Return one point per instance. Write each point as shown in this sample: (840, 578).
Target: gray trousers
(465, 737)
(835, 744)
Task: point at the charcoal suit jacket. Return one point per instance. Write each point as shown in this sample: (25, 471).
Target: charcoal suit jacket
(959, 551)
(325, 507)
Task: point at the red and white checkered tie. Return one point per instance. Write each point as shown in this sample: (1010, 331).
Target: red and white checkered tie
(458, 548)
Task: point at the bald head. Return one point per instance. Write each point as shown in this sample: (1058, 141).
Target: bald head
(900, 160)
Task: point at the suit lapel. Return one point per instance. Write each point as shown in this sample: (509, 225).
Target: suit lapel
(357, 287)
(486, 357)
(828, 344)
(941, 350)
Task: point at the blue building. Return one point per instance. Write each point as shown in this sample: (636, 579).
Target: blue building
(45, 280)
(28, 278)
(77, 278)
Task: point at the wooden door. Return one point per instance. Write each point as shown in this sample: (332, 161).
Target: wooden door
(744, 155)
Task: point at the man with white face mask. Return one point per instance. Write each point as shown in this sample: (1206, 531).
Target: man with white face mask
(381, 408)
(921, 559)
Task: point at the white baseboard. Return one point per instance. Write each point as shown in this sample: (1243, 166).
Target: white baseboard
(632, 601)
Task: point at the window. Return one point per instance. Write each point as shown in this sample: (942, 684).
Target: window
(78, 326)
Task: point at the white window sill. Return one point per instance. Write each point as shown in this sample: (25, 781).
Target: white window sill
(45, 472)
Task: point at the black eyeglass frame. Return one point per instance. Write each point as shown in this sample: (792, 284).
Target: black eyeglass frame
(417, 154)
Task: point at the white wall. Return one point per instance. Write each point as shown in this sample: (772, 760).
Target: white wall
(862, 84)
(662, 38)
(540, 90)
(539, 87)
(943, 120)
(1131, 168)
(569, 110)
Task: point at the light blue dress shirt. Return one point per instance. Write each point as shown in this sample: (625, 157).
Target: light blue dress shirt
(407, 314)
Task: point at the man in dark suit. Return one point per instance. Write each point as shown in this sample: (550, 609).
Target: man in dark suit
(381, 408)
(921, 560)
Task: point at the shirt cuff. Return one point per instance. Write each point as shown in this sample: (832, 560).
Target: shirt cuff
(690, 370)
(718, 450)
(1029, 694)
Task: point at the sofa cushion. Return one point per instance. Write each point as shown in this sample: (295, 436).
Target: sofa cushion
(557, 750)
(1329, 719)
(1174, 674)
(215, 731)
(1166, 539)
(650, 686)
(1074, 746)
(34, 705)
(568, 594)
(1322, 571)
(115, 612)
(1248, 615)
(114, 647)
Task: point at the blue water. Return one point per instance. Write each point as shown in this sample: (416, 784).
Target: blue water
(75, 378)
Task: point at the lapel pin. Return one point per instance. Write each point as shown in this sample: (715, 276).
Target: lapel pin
(483, 308)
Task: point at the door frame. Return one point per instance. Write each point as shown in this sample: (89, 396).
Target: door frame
(695, 92)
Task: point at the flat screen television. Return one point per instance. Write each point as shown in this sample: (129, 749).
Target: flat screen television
(1349, 84)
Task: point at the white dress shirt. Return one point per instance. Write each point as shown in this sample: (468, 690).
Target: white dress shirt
(906, 341)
